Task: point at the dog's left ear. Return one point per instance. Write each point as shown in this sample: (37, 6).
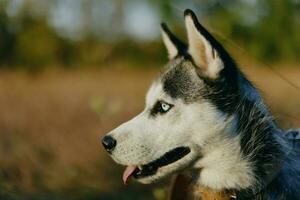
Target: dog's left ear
(202, 48)
(174, 45)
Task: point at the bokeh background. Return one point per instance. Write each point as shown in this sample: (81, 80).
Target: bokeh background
(72, 70)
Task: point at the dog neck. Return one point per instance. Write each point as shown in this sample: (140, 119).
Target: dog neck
(245, 161)
(223, 165)
(260, 142)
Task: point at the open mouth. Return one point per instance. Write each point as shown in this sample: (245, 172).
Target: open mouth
(152, 167)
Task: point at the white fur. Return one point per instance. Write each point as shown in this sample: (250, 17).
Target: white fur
(197, 125)
(223, 165)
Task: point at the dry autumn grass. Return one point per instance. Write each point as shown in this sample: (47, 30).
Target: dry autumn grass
(50, 126)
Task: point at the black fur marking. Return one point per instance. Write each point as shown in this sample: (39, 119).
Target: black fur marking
(178, 83)
(168, 158)
(259, 144)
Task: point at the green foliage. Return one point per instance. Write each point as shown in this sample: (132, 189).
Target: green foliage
(36, 45)
(267, 29)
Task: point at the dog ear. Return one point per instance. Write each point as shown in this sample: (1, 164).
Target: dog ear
(175, 47)
(203, 48)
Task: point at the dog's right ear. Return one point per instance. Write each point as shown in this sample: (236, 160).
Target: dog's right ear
(175, 47)
(204, 49)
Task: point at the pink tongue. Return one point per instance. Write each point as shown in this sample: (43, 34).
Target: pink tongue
(127, 173)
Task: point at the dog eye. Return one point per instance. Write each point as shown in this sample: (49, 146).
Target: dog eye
(161, 107)
(165, 107)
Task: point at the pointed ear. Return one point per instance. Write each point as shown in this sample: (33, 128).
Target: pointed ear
(201, 47)
(174, 45)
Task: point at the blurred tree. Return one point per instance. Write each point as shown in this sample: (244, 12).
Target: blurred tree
(36, 44)
(267, 28)
(7, 37)
(35, 34)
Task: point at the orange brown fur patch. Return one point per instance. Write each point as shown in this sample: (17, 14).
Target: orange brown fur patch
(209, 194)
(182, 188)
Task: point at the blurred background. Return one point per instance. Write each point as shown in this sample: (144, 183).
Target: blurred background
(72, 70)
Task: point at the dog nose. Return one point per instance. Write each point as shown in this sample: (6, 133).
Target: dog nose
(109, 143)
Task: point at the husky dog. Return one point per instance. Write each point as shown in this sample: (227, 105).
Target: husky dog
(204, 117)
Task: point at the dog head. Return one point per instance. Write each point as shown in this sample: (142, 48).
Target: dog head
(187, 106)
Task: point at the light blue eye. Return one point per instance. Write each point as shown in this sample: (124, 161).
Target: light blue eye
(165, 107)
(161, 108)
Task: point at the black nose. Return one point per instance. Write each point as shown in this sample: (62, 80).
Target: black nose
(109, 143)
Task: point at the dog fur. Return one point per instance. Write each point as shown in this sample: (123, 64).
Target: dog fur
(203, 102)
